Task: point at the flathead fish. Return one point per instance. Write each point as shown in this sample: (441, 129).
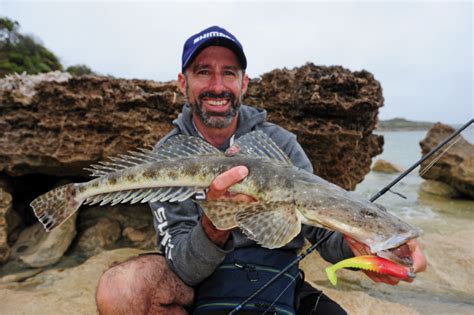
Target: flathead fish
(285, 196)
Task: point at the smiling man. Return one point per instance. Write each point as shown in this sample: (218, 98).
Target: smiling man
(204, 270)
(214, 84)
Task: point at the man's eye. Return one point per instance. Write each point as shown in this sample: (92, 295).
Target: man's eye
(203, 72)
(230, 73)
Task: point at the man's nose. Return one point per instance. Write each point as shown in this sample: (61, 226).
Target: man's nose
(217, 84)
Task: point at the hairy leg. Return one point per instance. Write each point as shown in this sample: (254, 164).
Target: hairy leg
(142, 285)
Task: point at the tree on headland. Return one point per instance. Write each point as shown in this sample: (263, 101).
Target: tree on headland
(22, 53)
(78, 70)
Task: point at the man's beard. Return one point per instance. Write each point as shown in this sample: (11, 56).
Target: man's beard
(212, 119)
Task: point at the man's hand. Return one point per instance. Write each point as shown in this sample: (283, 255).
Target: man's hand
(220, 185)
(218, 191)
(419, 260)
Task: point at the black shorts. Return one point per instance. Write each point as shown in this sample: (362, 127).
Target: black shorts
(311, 301)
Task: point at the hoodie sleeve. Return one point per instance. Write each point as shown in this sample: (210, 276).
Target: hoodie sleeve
(188, 250)
(335, 248)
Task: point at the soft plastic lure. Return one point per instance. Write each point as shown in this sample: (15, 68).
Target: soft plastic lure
(372, 263)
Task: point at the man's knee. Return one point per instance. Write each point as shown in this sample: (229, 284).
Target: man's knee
(114, 289)
(140, 285)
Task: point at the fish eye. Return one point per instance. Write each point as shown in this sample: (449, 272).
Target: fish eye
(368, 213)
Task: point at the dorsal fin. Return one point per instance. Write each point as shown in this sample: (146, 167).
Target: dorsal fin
(177, 147)
(257, 143)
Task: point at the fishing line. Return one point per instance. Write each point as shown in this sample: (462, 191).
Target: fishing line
(439, 156)
(279, 295)
(278, 275)
(424, 158)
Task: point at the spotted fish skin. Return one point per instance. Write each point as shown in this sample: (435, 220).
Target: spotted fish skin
(286, 196)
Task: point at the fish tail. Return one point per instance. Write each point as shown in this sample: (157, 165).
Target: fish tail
(331, 273)
(56, 206)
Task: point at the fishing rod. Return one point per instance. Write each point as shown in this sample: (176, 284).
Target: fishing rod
(372, 199)
(424, 158)
(278, 275)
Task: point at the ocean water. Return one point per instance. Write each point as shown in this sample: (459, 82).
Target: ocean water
(402, 148)
(447, 227)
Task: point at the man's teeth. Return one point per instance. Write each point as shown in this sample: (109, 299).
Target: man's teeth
(217, 103)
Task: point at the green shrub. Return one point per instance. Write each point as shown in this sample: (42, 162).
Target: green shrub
(22, 53)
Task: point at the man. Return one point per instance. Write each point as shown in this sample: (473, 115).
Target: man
(223, 267)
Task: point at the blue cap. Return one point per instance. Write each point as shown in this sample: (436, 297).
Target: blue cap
(212, 36)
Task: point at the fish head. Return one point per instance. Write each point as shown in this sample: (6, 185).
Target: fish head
(366, 222)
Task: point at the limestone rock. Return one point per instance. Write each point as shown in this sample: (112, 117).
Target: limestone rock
(456, 166)
(37, 248)
(134, 235)
(137, 216)
(333, 112)
(61, 127)
(20, 88)
(5, 207)
(99, 237)
(61, 291)
(72, 290)
(14, 225)
(435, 187)
(383, 166)
(20, 276)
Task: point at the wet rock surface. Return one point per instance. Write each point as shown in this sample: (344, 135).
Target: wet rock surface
(435, 187)
(456, 165)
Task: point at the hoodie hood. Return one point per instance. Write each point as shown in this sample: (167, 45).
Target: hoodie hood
(249, 117)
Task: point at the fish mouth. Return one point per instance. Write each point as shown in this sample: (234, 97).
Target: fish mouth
(396, 249)
(400, 255)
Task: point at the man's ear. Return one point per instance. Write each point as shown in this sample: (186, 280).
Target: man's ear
(245, 83)
(182, 83)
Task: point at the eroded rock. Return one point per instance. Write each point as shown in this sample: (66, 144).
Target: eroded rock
(61, 291)
(99, 237)
(20, 276)
(65, 126)
(383, 166)
(37, 248)
(456, 165)
(332, 110)
(435, 187)
(5, 208)
(134, 235)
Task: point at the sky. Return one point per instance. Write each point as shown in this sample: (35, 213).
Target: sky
(420, 51)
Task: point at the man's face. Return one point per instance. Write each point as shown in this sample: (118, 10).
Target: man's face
(214, 85)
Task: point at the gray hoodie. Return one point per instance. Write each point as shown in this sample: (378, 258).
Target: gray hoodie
(188, 250)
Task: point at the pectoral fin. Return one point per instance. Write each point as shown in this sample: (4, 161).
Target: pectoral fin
(222, 213)
(272, 225)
